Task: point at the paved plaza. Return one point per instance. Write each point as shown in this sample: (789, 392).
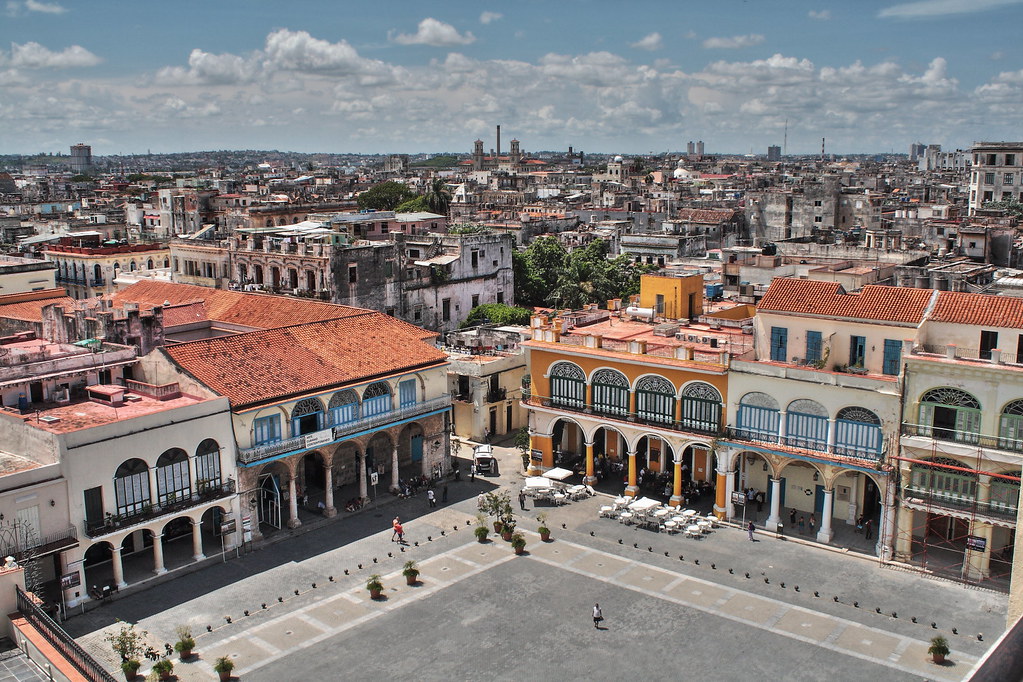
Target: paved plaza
(675, 607)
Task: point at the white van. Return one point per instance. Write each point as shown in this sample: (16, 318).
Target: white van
(483, 459)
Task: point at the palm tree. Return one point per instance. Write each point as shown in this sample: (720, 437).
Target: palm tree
(438, 198)
(582, 281)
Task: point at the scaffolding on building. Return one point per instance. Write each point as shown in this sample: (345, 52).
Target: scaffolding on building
(943, 538)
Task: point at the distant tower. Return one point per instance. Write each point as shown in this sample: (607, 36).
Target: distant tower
(498, 155)
(691, 148)
(477, 155)
(822, 148)
(699, 148)
(774, 153)
(81, 157)
(514, 155)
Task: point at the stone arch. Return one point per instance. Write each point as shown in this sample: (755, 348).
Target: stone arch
(376, 399)
(131, 487)
(567, 384)
(611, 391)
(343, 407)
(949, 413)
(172, 477)
(306, 416)
(702, 390)
(858, 432)
(655, 398)
(758, 399)
(701, 407)
(806, 424)
(1010, 426)
(207, 465)
(946, 395)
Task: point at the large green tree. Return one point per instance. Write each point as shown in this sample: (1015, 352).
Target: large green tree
(386, 196)
(438, 198)
(497, 313)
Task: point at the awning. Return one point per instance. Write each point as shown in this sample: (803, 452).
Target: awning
(557, 474)
(538, 482)
(442, 259)
(643, 504)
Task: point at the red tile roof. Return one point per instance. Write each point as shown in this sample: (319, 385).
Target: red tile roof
(265, 365)
(710, 216)
(259, 311)
(29, 306)
(186, 313)
(978, 309)
(875, 302)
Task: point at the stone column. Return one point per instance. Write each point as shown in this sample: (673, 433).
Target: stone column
(886, 526)
(360, 461)
(775, 518)
(328, 492)
(676, 488)
(825, 534)
(394, 468)
(197, 540)
(115, 562)
(590, 477)
(783, 427)
(832, 435)
(904, 538)
(158, 567)
(729, 489)
(632, 489)
(293, 520)
(977, 563)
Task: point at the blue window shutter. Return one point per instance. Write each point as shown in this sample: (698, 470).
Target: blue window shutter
(779, 343)
(892, 356)
(813, 347)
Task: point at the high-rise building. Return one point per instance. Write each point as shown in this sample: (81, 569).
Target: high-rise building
(774, 153)
(916, 150)
(81, 157)
(997, 173)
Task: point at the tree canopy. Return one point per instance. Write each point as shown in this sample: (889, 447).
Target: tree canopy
(548, 275)
(497, 313)
(386, 196)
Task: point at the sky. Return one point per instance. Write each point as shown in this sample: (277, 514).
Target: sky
(430, 76)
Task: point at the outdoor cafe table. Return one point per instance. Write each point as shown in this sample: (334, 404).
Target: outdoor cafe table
(689, 513)
(704, 526)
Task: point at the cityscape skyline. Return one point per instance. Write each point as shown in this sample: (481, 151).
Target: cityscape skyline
(600, 77)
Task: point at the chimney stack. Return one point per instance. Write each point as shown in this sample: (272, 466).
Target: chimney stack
(498, 143)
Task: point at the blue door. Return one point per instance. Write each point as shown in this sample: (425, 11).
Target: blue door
(818, 502)
(417, 448)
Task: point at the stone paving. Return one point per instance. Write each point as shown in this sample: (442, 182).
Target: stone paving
(482, 612)
(16, 667)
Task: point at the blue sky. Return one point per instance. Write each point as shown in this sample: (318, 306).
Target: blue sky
(624, 77)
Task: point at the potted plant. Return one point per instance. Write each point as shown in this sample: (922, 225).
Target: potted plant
(518, 542)
(481, 530)
(185, 642)
(411, 572)
(507, 530)
(130, 668)
(374, 586)
(130, 645)
(543, 530)
(938, 649)
(163, 667)
(224, 666)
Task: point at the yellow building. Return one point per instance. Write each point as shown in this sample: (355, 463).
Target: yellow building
(643, 399)
(673, 298)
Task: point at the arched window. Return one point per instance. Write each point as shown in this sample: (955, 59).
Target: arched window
(310, 280)
(149, 264)
(131, 487)
(759, 417)
(376, 399)
(701, 408)
(172, 482)
(610, 392)
(568, 385)
(655, 399)
(343, 407)
(1010, 426)
(950, 414)
(857, 433)
(806, 425)
(257, 274)
(97, 274)
(944, 480)
(207, 465)
(132, 267)
(306, 416)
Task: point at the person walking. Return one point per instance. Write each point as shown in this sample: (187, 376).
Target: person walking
(802, 524)
(400, 532)
(749, 529)
(868, 529)
(859, 523)
(444, 494)
(481, 502)
(598, 616)
(522, 500)
(813, 523)
(760, 500)
(792, 518)
(472, 472)
(431, 498)
(395, 525)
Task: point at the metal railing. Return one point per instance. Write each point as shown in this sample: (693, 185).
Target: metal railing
(60, 640)
(943, 498)
(113, 522)
(967, 437)
(814, 445)
(339, 431)
(659, 422)
(60, 540)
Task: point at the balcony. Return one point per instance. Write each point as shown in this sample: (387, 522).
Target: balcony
(659, 422)
(333, 434)
(24, 549)
(965, 437)
(944, 499)
(114, 522)
(497, 395)
(811, 446)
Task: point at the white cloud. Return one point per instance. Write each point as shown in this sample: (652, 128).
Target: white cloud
(490, 17)
(651, 42)
(923, 9)
(211, 69)
(734, 42)
(436, 34)
(820, 15)
(32, 55)
(45, 7)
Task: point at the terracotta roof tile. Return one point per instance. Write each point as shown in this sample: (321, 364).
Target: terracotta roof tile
(875, 302)
(259, 311)
(186, 313)
(270, 364)
(13, 306)
(978, 309)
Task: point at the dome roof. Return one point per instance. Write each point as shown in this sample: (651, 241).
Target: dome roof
(618, 159)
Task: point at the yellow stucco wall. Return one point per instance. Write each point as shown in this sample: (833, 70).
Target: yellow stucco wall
(676, 292)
